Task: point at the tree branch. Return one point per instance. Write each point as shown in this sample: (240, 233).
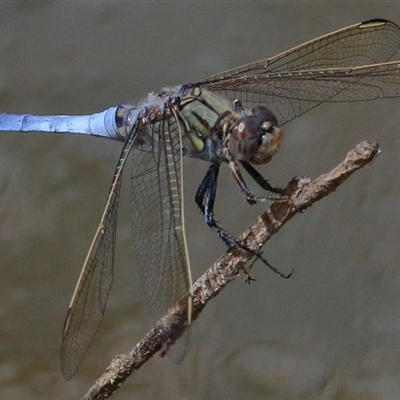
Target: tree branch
(302, 194)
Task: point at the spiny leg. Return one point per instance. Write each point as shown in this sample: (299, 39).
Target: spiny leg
(207, 191)
(260, 179)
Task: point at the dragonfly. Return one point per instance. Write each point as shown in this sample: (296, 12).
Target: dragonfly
(234, 118)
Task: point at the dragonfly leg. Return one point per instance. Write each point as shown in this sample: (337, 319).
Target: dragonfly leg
(206, 193)
(248, 194)
(205, 198)
(260, 179)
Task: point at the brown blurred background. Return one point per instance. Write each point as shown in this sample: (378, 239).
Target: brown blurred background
(330, 332)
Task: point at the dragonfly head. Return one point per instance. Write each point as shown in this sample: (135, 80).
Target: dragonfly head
(256, 137)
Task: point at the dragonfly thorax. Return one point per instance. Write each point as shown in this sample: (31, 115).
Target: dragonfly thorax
(256, 137)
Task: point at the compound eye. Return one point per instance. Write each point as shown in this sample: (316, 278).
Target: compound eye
(245, 138)
(265, 115)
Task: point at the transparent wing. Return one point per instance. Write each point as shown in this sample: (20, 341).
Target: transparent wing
(90, 297)
(157, 217)
(291, 95)
(323, 69)
(365, 43)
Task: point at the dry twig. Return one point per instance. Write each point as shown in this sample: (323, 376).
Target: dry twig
(302, 194)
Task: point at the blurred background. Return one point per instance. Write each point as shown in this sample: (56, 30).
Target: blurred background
(330, 332)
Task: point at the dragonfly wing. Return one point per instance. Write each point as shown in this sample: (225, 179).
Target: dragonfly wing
(90, 297)
(157, 216)
(370, 42)
(323, 69)
(291, 95)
